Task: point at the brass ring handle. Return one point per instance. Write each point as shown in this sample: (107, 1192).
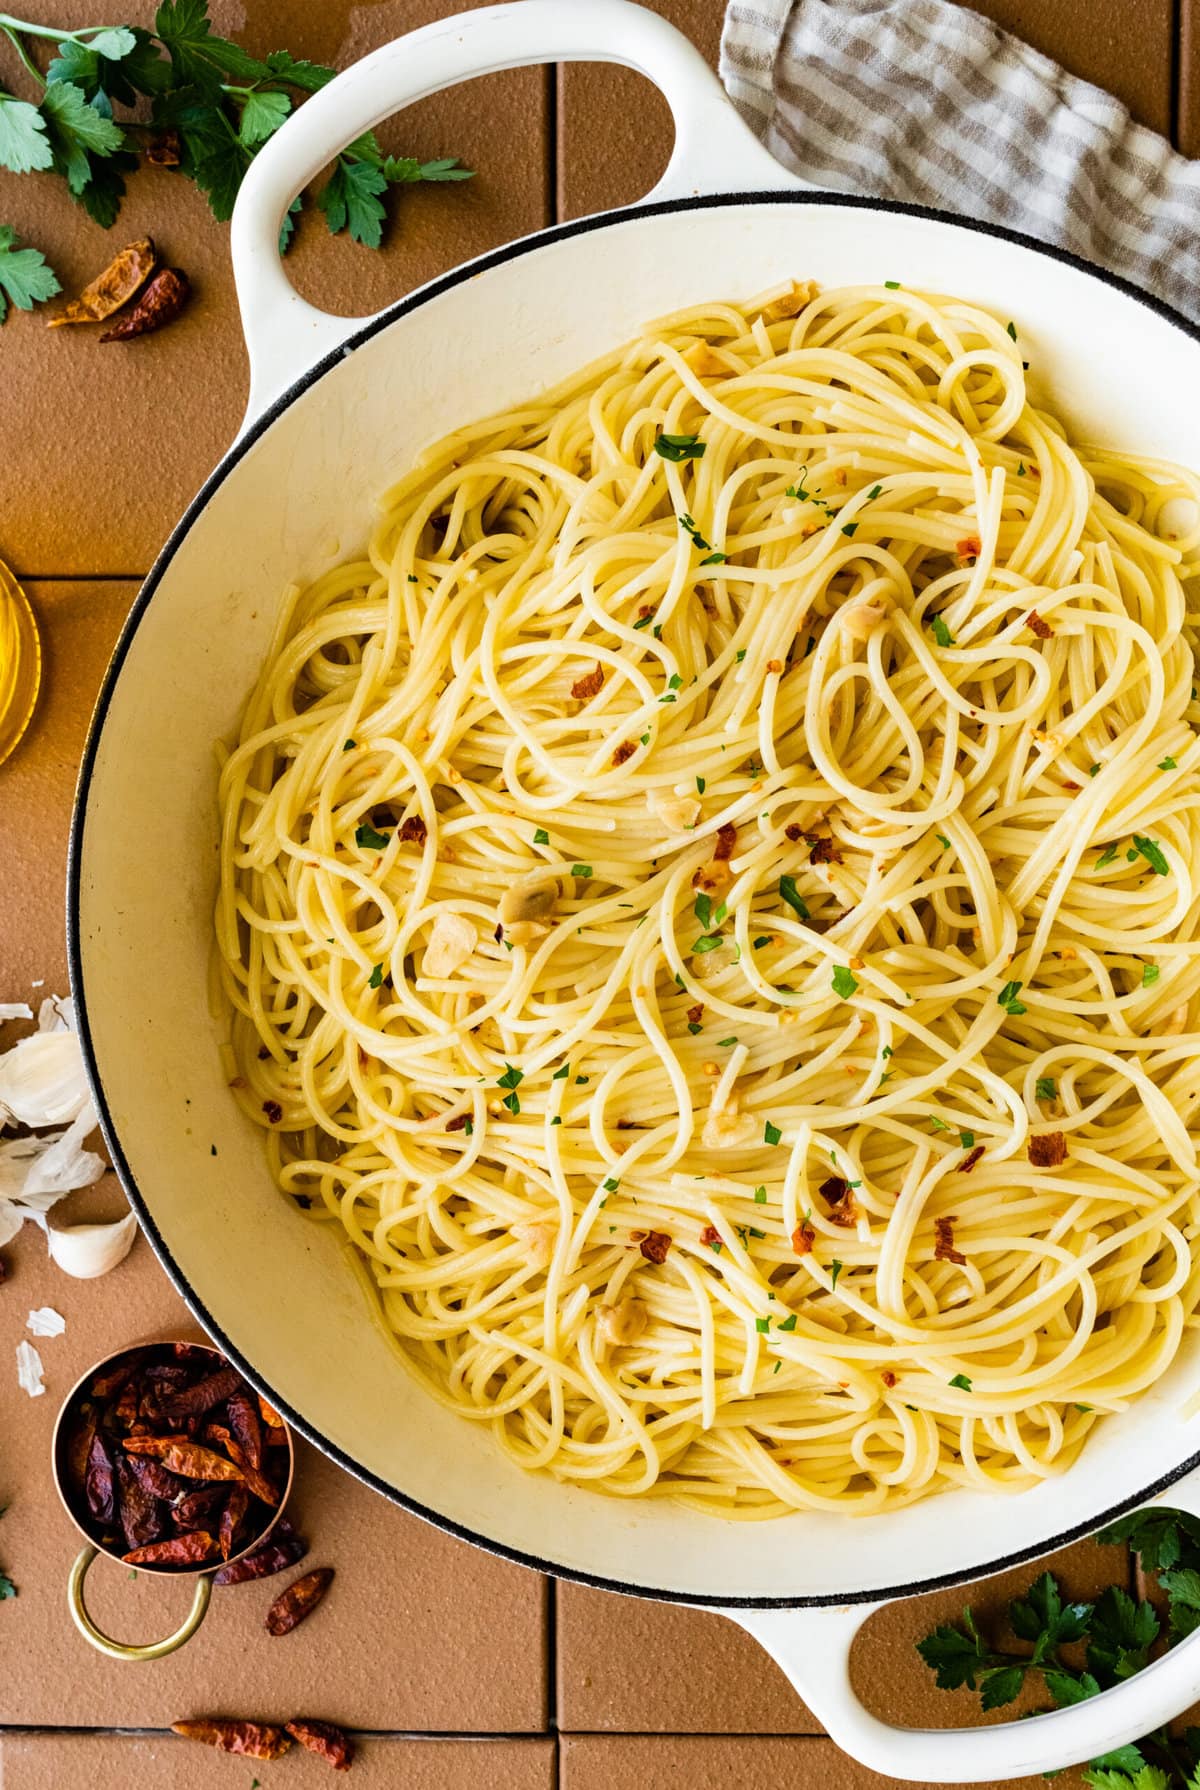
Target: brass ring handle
(123, 1649)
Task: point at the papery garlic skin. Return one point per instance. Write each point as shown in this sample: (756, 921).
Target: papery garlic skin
(42, 1079)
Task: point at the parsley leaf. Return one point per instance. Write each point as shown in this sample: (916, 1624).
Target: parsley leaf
(1045, 1088)
(406, 170)
(1106, 857)
(541, 837)
(199, 57)
(350, 201)
(835, 1268)
(1150, 974)
(677, 448)
(262, 115)
(24, 275)
(789, 893)
(376, 980)
(1153, 854)
(368, 839)
(941, 632)
(844, 981)
(24, 145)
(1007, 998)
(75, 128)
(961, 1383)
(771, 1133)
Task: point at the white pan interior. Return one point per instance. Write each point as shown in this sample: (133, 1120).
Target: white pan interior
(300, 496)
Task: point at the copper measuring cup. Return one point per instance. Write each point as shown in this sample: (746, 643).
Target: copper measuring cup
(76, 1509)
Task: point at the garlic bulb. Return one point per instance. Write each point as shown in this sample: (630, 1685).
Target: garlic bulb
(90, 1250)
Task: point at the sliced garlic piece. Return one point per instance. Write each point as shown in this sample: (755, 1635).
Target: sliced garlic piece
(87, 1251)
(451, 943)
(861, 620)
(676, 813)
(708, 362)
(621, 1324)
(726, 1127)
(537, 1237)
(525, 910)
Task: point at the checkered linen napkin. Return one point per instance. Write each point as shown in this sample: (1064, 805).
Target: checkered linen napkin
(921, 100)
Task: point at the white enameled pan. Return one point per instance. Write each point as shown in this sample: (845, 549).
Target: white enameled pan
(337, 410)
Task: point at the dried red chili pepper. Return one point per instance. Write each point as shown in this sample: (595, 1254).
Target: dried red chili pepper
(166, 150)
(193, 1401)
(625, 750)
(180, 1550)
(196, 1462)
(79, 1447)
(726, 840)
(236, 1506)
(154, 1478)
(196, 1509)
(968, 1162)
(99, 1484)
(654, 1246)
(247, 1427)
(253, 1740)
(186, 1351)
(1036, 625)
(273, 1111)
(710, 1236)
(793, 831)
(413, 831)
(278, 1552)
(591, 684)
(325, 1739)
(823, 851)
(124, 276)
(255, 1478)
(160, 304)
(125, 1411)
(156, 1445)
(297, 1602)
(136, 1507)
(803, 1238)
(269, 1414)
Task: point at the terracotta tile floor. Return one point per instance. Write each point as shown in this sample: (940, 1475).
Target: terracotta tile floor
(99, 452)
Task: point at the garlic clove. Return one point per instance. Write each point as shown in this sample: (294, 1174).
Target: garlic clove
(42, 1079)
(90, 1250)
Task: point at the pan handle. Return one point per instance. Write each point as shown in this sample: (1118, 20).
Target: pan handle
(813, 1649)
(714, 150)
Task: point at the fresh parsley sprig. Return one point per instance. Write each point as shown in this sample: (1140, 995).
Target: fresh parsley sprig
(1115, 1637)
(212, 107)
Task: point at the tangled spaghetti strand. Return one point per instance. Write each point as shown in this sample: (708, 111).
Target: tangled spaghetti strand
(709, 904)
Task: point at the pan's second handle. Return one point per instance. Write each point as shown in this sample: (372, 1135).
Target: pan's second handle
(128, 1649)
(813, 1649)
(714, 151)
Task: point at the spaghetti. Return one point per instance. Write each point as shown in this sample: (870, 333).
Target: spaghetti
(709, 905)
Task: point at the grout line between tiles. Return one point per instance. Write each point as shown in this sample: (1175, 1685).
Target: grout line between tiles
(80, 577)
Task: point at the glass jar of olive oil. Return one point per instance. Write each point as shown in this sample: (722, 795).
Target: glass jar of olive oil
(20, 662)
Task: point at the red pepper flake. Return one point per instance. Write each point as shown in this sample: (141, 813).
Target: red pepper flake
(413, 831)
(253, 1740)
(888, 1378)
(843, 1210)
(1049, 1150)
(1042, 629)
(588, 686)
(944, 1250)
(823, 851)
(654, 1246)
(803, 1239)
(325, 1739)
(968, 1162)
(794, 831)
(160, 303)
(1072, 786)
(710, 1235)
(625, 750)
(695, 1014)
(273, 1110)
(458, 1122)
(726, 840)
(969, 549)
